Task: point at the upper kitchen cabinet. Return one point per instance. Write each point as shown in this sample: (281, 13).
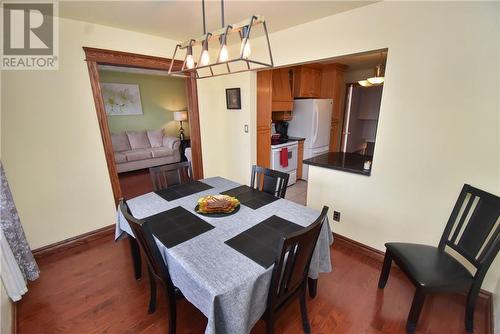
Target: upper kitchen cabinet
(307, 82)
(282, 99)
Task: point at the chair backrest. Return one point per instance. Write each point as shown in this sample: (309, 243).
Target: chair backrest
(473, 229)
(147, 245)
(170, 175)
(292, 264)
(270, 181)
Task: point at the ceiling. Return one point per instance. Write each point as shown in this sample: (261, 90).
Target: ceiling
(361, 60)
(180, 20)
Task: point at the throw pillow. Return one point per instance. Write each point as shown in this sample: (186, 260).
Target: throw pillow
(155, 137)
(120, 142)
(138, 139)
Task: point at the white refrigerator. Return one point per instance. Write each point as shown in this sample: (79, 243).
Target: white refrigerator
(312, 120)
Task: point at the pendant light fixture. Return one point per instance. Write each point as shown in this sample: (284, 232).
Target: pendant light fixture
(243, 29)
(379, 75)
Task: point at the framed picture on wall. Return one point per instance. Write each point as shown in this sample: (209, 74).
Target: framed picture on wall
(233, 98)
(121, 99)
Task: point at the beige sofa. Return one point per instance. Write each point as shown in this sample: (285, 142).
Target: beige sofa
(143, 149)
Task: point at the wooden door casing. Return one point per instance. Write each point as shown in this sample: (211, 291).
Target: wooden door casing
(94, 57)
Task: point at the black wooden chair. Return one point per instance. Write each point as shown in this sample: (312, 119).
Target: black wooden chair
(170, 175)
(270, 181)
(157, 268)
(473, 231)
(291, 267)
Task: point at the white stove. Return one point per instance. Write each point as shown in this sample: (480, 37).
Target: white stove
(291, 166)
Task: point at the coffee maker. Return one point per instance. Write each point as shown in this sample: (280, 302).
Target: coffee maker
(282, 129)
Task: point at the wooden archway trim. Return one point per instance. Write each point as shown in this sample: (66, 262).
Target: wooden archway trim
(94, 57)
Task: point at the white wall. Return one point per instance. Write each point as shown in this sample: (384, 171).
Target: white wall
(439, 120)
(5, 311)
(51, 143)
(227, 150)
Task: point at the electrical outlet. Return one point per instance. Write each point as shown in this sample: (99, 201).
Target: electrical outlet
(246, 128)
(336, 216)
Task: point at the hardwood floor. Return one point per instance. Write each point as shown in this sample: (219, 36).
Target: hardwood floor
(90, 289)
(135, 183)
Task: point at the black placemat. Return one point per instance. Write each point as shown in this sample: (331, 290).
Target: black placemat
(252, 198)
(176, 225)
(260, 243)
(182, 190)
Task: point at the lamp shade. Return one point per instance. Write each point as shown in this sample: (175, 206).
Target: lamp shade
(180, 116)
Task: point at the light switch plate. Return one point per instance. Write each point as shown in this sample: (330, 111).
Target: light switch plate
(246, 128)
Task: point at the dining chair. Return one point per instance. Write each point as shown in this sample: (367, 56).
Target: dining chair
(291, 267)
(172, 174)
(472, 231)
(270, 181)
(157, 268)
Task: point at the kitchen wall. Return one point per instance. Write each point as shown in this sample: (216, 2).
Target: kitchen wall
(439, 121)
(160, 97)
(51, 143)
(227, 150)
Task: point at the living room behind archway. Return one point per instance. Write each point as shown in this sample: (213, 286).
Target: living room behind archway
(145, 110)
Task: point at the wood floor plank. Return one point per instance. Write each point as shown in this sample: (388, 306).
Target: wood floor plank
(92, 290)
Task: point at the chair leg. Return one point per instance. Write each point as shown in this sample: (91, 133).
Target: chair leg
(269, 322)
(172, 318)
(469, 309)
(416, 308)
(152, 289)
(386, 269)
(303, 311)
(313, 287)
(136, 257)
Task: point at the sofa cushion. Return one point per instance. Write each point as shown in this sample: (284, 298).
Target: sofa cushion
(139, 154)
(159, 152)
(155, 137)
(138, 139)
(120, 142)
(120, 157)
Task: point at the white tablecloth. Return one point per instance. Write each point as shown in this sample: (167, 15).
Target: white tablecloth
(228, 287)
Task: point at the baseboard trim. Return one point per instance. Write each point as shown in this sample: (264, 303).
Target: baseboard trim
(67, 244)
(379, 256)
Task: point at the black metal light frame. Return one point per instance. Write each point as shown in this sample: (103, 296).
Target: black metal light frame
(242, 28)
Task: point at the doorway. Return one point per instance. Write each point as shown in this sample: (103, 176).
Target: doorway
(100, 57)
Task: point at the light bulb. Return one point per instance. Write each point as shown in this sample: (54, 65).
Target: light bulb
(189, 61)
(246, 50)
(224, 54)
(205, 58)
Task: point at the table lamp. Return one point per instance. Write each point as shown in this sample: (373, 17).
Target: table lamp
(180, 116)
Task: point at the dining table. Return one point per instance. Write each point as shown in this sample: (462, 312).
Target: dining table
(223, 264)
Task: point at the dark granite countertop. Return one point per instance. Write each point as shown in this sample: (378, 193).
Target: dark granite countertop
(347, 162)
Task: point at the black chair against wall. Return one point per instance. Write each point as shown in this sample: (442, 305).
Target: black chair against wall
(170, 175)
(291, 267)
(157, 268)
(473, 231)
(270, 181)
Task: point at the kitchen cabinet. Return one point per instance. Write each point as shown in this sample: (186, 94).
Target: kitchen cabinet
(307, 82)
(333, 87)
(282, 99)
(300, 158)
(264, 99)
